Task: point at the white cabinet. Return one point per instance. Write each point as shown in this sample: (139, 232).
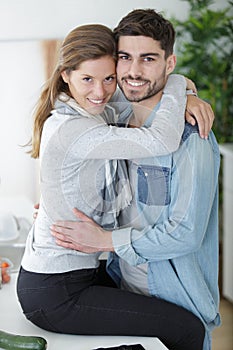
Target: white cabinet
(227, 164)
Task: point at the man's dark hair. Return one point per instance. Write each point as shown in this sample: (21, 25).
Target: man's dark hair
(147, 22)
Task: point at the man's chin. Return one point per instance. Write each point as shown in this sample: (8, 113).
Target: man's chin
(139, 98)
(136, 98)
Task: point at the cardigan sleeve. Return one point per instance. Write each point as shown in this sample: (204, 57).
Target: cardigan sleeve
(94, 139)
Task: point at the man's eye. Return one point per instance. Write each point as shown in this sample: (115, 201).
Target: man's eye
(123, 57)
(148, 59)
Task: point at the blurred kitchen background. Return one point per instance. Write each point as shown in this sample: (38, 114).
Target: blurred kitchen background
(30, 31)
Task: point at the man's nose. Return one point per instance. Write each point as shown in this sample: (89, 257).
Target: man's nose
(135, 69)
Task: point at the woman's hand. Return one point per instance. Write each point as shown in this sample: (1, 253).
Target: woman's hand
(200, 112)
(190, 85)
(36, 207)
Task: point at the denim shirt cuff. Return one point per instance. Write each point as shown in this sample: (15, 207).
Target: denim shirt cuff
(123, 247)
(121, 238)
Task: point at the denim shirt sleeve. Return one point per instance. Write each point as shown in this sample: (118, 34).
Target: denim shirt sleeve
(194, 184)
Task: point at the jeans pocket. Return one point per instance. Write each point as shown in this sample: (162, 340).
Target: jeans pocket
(153, 185)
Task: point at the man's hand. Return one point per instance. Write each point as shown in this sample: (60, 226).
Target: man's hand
(83, 235)
(36, 206)
(201, 112)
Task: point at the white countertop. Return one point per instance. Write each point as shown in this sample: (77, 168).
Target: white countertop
(13, 321)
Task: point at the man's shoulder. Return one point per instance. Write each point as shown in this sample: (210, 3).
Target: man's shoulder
(189, 130)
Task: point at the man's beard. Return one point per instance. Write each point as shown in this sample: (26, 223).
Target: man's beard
(151, 91)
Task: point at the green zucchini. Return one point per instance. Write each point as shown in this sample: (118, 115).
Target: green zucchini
(11, 341)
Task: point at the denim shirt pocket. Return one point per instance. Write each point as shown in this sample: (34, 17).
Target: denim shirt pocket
(153, 185)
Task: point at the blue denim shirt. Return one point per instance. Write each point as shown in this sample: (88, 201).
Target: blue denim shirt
(176, 204)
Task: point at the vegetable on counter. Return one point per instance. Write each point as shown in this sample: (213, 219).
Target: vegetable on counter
(11, 341)
(4, 267)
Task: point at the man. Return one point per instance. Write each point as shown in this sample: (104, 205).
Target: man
(167, 242)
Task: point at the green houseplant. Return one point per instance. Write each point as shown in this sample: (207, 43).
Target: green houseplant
(204, 48)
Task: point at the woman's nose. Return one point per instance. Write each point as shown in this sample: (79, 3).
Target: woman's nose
(99, 90)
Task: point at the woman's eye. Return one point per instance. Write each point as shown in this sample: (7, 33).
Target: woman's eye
(110, 79)
(87, 79)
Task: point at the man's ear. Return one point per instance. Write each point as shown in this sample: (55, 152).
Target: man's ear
(171, 63)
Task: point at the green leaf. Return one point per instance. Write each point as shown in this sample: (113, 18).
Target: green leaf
(204, 49)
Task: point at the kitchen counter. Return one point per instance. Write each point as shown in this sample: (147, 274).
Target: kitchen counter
(13, 321)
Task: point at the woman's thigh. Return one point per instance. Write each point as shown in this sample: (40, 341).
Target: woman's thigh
(75, 304)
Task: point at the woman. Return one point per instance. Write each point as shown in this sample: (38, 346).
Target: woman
(64, 290)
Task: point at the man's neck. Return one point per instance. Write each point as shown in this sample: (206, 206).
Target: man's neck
(142, 110)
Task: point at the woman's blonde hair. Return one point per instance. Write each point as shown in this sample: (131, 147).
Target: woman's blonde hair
(85, 42)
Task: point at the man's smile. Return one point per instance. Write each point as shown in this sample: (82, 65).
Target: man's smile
(134, 82)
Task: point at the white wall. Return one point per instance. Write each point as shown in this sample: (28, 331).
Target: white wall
(33, 19)
(21, 76)
(22, 23)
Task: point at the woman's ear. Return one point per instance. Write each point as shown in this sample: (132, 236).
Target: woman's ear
(65, 76)
(171, 63)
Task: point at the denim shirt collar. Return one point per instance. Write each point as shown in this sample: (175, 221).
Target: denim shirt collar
(151, 117)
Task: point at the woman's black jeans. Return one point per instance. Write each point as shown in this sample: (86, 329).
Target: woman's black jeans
(87, 302)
